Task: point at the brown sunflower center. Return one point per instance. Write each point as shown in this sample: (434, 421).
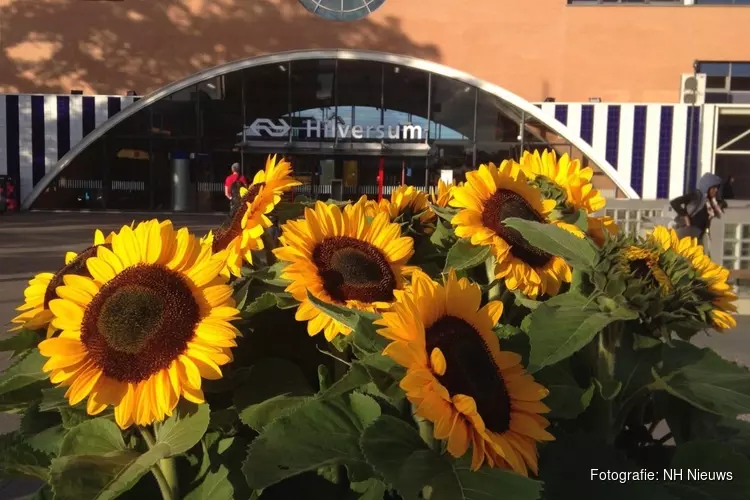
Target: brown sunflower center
(139, 322)
(503, 205)
(640, 269)
(352, 269)
(471, 370)
(78, 266)
(233, 226)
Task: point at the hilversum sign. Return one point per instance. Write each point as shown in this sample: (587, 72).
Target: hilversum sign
(317, 129)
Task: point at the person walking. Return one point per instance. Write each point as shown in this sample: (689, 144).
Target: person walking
(727, 190)
(232, 184)
(696, 209)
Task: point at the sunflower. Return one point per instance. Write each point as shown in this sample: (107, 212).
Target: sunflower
(643, 263)
(443, 194)
(404, 200)
(243, 232)
(342, 257)
(141, 332)
(713, 275)
(600, 227)
(568, 175)
(493, 194)
(458, 378)
(35, 313)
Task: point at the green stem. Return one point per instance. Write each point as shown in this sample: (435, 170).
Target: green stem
(493, 293)
(165, 471)
(605, 373)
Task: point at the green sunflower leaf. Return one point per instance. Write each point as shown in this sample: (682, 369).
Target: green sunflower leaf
(556, 241)
(20, 400)
(701, 470)
(445, 213)
(25, 371)
(20, 341)
(18, 458)
(463, 255)
(269, 388)
(317, 434)
(396, 451)
(372, 489)
(215, 486)
(566, 398)
(442, 237)
(704, 379)
(96, 464)
(364, 332)
(562, 326)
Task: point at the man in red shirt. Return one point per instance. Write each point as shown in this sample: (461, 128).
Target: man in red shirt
(232, 185)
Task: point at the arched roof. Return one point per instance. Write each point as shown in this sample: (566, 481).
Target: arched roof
(342, 54)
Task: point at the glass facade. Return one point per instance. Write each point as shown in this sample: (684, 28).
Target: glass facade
(332, 118)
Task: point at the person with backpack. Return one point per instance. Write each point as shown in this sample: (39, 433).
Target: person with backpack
(696, 209)
(232, 185)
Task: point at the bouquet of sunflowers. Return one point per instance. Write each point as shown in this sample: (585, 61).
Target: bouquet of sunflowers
(491, 340)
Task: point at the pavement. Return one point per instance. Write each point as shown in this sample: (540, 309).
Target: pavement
(37, 241)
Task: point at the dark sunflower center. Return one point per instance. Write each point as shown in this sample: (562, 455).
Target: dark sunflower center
(233, 226)
(129, 316)
(639, 268)
(504, 204)
(139, 322)
(471, 369)
(78, 266)
(352, 269)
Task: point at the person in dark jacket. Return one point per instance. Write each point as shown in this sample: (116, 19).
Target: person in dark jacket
(727, 190)
(696, 209)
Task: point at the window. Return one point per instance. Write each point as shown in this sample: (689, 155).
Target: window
(625, 2)
(726, 82)
(342, 10)
(722, 2)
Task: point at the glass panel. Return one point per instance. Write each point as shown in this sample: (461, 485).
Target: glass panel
(730, 231)
(609, 212)
(359, 99)
(405, 99)
(176, 115)
(739, 83)
(746, 231)
(221, 139)
(729, 264)
(716, 82)
(714, 68)
(80, 185)
(452, 111)
(497, 129)
(633, 214)
(313, 109)
(740, 69)
(745, 249)
(632, 227)
(729, 249)
(621, 215)
(266, 96)
(128, 164)
(745, 264)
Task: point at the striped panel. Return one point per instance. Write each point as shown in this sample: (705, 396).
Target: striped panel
(648, 144)
(37, 130)
(665, 151)
(639, 149)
